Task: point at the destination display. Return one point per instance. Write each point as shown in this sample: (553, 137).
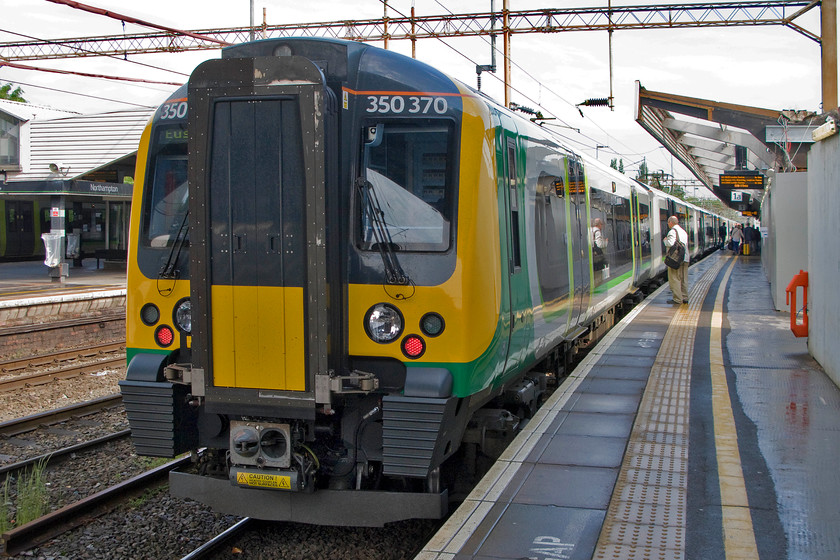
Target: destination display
(742, 180)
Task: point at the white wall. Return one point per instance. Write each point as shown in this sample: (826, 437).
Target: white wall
(785, 252)
(824, 257)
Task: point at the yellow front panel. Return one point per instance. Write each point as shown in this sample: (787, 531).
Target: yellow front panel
(258, 339)
(221, 302)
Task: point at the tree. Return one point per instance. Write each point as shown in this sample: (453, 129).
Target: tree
(6, 92)
(642, 175)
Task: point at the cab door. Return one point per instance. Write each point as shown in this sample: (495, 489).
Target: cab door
(256, 210)
(257, 215)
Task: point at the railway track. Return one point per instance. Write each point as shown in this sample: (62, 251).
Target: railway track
(83, 510)
(211, 547)
(28, 423)
(95, 359)
(79, 513)
(53, 358)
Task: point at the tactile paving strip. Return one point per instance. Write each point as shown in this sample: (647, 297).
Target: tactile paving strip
(646, 516)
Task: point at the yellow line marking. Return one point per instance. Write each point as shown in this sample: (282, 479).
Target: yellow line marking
(738, 532)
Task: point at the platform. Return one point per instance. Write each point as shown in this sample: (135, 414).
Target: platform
(690, 432)
(30, 279)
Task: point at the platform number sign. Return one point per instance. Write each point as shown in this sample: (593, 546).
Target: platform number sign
(736, 196)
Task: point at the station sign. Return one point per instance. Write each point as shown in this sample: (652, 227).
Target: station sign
(742, 180)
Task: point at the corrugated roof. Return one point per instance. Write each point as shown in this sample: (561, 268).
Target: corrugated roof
(83, 143)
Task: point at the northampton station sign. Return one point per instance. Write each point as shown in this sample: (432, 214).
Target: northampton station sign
(742, 180)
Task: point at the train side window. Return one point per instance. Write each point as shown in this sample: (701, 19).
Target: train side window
(516, 253)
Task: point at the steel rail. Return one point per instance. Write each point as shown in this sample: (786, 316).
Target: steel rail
(211, 546)
(61, 324)
(62, 356)
(29, 423)
(42, 378)
(49, 458)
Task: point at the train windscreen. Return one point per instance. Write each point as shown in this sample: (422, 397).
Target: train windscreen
(167, 194)
(408, 170)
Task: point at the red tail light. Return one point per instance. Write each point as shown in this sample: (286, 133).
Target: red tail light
(164, 335)
(413, 346)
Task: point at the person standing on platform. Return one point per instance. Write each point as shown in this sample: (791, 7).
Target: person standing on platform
(737, 239)
(752, 237)
(678, 277)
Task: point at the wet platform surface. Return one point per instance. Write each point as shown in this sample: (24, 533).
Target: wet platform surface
(700, 431)
(30, 279)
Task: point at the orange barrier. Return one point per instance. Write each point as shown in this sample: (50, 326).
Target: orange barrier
(801, 279)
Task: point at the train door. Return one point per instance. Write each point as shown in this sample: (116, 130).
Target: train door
(20, 228)
(579, 224)
(635, 233)
(519, 290)
(643, 213)
(261, 290)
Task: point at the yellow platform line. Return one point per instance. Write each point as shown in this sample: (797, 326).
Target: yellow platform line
(738, 532)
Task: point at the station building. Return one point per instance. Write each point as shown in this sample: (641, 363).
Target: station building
(67, 173)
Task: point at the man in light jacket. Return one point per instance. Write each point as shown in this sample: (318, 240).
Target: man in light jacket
(678, 277)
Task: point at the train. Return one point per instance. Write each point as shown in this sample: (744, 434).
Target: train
(351, 277)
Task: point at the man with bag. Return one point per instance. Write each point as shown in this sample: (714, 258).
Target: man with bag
(676, 242)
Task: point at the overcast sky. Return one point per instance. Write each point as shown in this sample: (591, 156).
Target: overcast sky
(770, 67)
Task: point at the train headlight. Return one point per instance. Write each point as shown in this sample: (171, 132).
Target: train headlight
(183, 316)
(383, 323)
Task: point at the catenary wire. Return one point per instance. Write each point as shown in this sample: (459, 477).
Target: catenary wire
(84, 95)
(551, 90)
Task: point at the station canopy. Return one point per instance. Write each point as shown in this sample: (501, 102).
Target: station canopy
(732, 149)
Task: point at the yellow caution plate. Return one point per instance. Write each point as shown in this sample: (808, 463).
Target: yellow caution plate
(264, 480)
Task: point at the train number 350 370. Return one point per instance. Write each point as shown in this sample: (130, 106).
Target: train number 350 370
(413, 104)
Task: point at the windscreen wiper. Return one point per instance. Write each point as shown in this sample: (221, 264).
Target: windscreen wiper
(169, 271)
(394, 273)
